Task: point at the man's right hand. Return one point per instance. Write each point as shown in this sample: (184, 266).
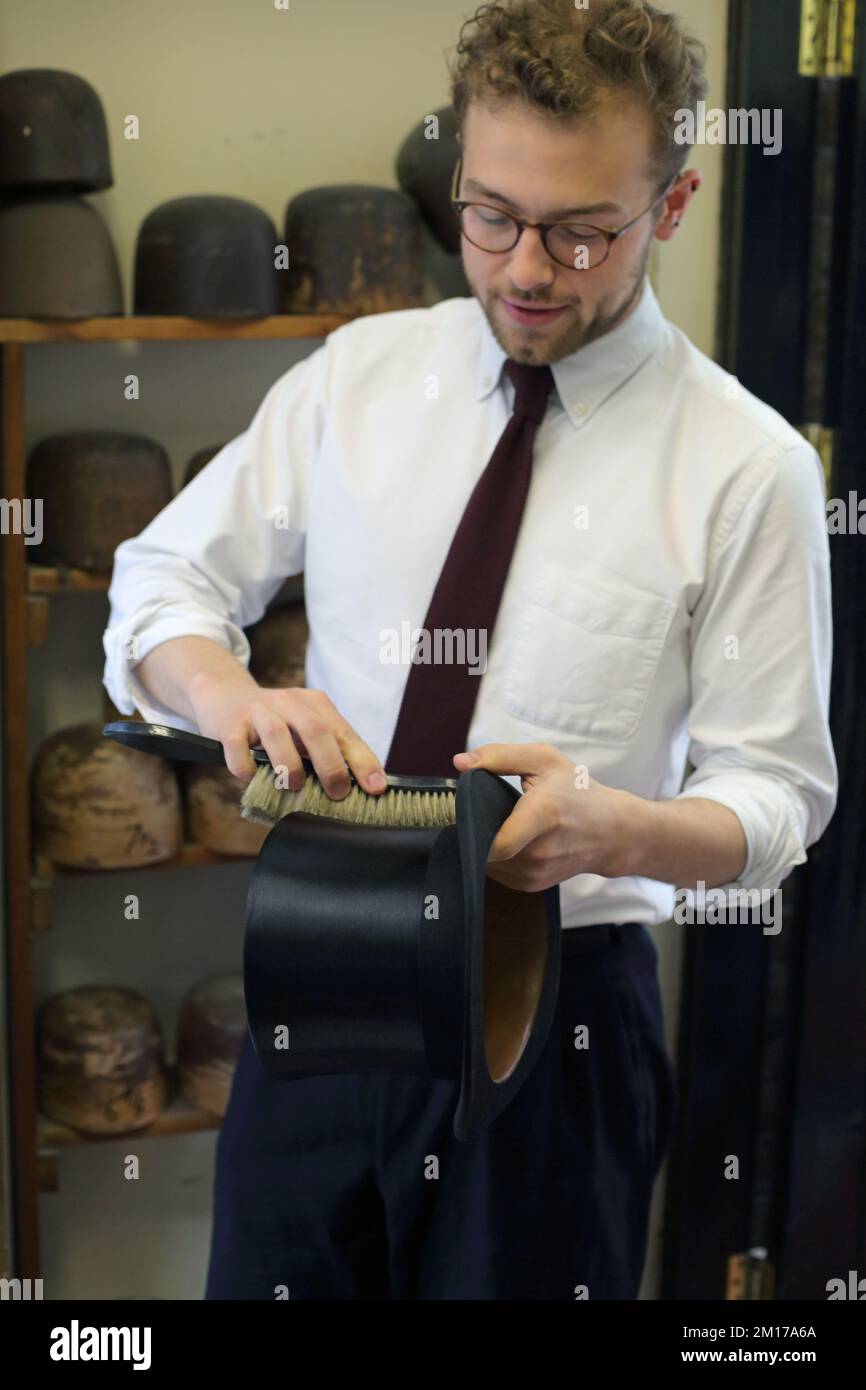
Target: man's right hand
(288, 723)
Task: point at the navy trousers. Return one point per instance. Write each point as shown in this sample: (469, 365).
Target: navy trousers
(354, 1187)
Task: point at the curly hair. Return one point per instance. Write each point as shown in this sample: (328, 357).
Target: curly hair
(561, 60)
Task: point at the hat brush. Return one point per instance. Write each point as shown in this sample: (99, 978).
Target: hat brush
(407, 802)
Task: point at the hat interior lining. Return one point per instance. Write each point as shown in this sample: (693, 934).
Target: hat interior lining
(515, 955)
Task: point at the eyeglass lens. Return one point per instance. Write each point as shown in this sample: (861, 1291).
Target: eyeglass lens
(570, 244)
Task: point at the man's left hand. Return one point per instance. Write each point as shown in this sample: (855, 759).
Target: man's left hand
(564, 824)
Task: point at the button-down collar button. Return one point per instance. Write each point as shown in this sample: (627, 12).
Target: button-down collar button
(581, 408)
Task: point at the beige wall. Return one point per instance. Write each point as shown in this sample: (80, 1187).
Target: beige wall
(236, 97)
(684, 270)
(233, 97)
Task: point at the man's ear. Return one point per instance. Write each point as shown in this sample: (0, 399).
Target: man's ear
(676, 203)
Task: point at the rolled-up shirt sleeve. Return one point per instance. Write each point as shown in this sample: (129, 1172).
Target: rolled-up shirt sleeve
(761, 652)
(210, 562)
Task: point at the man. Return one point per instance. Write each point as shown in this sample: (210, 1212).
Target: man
(667, 602)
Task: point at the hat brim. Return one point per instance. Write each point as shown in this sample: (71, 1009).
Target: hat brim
(512, 947)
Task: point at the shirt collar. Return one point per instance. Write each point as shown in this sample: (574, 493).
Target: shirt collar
(586, 378)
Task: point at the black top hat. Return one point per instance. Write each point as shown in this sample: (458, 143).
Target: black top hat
(371, 949)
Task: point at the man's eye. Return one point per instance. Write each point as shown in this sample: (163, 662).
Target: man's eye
(492, 219)
(585, 235)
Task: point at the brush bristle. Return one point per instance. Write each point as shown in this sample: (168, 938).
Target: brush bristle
(266, 803)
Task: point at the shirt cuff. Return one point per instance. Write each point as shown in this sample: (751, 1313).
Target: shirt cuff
(774, 824)
(131, 641)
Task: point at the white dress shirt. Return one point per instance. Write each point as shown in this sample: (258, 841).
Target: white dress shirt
(668, 601)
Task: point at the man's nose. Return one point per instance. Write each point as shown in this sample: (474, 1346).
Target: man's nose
(530, 266)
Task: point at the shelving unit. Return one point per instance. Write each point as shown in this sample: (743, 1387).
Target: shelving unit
(26, 595)
(178, 1118)
(43, 875)
(43, 579)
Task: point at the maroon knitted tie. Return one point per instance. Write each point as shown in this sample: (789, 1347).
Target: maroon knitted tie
(439, 698)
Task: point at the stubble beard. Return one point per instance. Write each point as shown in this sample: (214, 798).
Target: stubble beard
(579, 332)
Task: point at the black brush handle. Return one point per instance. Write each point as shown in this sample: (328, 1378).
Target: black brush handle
(178, 744)
(182, 746)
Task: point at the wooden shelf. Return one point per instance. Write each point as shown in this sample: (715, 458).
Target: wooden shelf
(155, 328)
(191, 856)
(178, 1118)
(49, 579)
(44, 874)
(194, 856)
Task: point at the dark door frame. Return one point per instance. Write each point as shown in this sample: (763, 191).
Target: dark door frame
(772, 1045)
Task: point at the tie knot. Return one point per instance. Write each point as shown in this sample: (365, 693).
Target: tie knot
(532, 386)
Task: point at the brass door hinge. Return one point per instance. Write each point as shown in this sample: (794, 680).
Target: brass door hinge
(751, 1275)
(827, 34)
(823, 441)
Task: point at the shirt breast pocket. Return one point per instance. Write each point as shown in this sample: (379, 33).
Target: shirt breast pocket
(585, 650)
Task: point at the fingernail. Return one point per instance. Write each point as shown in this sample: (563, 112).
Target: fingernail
(471, 758)
(376, 781)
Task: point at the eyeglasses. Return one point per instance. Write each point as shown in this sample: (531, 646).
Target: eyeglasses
(576, 245)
